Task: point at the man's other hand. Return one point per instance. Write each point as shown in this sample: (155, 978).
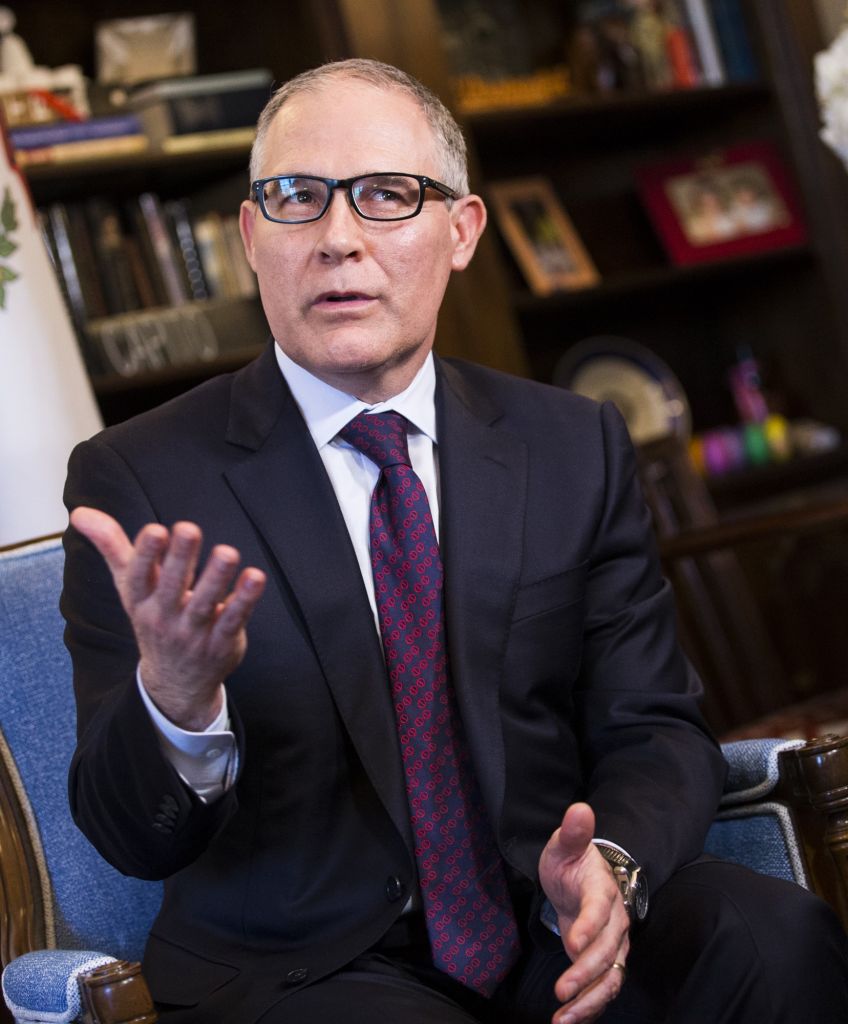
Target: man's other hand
(591, 916)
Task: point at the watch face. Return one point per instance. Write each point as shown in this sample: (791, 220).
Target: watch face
(629, 879)
(645, 391)
(640, 899)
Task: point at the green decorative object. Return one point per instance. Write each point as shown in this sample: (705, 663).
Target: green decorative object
(8, 224)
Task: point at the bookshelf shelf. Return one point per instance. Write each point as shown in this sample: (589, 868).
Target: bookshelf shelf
(788, 305)
(130, 173)
(153, 160)
(111, 385)
(656, 279)
(667, 104)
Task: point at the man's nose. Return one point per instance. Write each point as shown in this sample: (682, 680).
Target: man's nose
(341, 226)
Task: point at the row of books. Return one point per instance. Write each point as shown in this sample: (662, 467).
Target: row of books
(113, 258)
(178, 116)
(633, 45)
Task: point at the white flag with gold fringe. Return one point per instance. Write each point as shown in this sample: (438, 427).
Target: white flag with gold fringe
(46, 401)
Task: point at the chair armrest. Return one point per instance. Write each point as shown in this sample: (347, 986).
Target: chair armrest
(754, 769)
(785, 813)
(54, 986)
(754, 825)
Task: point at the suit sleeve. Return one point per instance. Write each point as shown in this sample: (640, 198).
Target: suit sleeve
(124, 794)
(654, 773)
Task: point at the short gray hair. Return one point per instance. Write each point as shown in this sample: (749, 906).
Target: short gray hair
(448, 135)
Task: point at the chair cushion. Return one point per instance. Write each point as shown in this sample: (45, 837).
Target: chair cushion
(93, 905)
(42, 986)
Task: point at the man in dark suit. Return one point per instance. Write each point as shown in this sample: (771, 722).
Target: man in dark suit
(245, 734)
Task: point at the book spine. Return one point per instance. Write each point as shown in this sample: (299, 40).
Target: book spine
(706, 41)
(111, 255)
(242, 272)
(164, 249)
(685, 71)
(734, 41)
(57, 218)
(86, 149)
(61, 132)
(86, 263)
(149, 262)
(199, 142)
(210, 246)
(142, 276)
(177, 212)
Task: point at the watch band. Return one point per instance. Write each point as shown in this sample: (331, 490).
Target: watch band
(628, 877)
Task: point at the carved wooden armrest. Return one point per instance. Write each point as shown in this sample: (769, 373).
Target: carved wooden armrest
(63, 986)
(815, 785)
(116, 993)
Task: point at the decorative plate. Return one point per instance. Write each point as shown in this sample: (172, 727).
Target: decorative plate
(646, 392)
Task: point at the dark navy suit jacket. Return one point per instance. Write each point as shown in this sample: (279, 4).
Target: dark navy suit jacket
(562, 649)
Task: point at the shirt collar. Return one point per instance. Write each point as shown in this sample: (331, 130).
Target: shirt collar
(326, 409)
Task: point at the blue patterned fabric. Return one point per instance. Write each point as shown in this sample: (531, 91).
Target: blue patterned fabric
(753, 770)
(749, 829)
(42, 986)
(95, 906)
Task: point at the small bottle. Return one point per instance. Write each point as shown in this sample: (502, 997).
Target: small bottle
(746, 387)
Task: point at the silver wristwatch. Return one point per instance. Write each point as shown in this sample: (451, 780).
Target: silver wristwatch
(628, 877)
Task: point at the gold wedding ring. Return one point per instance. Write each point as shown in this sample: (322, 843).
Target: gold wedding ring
(617, 966)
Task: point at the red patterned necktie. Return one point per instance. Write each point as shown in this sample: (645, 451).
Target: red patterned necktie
(469, 915)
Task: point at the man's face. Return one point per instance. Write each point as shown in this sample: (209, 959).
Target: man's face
(355, 301)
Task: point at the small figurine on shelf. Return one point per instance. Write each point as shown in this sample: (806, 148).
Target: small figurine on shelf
(746, 387)
(649, 33)
(600, 52)
(15, 59)
(30, 93)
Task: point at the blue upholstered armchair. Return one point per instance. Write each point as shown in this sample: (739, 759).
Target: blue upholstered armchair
(66, 915)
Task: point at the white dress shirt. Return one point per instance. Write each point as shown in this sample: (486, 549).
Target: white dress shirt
(207, 760)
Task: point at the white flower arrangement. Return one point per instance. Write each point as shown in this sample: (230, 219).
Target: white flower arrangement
(831, 75)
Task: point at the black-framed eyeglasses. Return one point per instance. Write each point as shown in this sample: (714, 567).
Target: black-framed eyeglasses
(300, 198)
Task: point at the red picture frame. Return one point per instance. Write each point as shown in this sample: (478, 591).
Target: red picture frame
(728, 203)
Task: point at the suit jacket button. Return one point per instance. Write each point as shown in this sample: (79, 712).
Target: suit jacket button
(394, 889)
(296, 976)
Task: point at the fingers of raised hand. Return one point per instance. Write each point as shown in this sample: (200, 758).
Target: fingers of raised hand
(200, 606)
(237, 609)
(178, 566)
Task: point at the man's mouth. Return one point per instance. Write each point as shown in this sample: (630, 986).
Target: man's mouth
(342, 297)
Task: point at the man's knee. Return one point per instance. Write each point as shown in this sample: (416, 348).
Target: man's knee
(754, 941)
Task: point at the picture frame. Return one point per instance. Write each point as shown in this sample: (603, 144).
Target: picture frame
(728, 203)
(540, 236)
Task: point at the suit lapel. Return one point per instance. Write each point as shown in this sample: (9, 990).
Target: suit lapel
(284, 489)
(483, 476)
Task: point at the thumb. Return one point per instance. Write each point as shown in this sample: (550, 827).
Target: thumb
(105, 533)
(576, 832)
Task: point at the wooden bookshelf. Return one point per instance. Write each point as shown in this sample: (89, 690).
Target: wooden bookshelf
(790, 306)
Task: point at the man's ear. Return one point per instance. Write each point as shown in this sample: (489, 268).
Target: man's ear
(468, 219)
(247, 223)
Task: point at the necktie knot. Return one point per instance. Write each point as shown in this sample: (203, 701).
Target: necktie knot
(379, 436)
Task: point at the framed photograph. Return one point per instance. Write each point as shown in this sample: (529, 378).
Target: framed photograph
(732, 202)
(540, 236)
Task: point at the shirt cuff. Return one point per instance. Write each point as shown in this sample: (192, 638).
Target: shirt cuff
(206, 761)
